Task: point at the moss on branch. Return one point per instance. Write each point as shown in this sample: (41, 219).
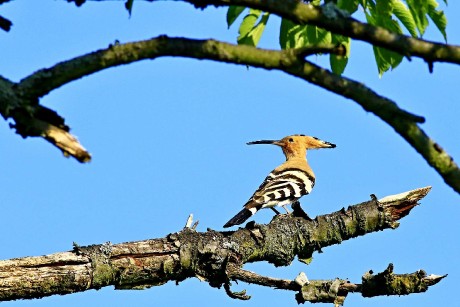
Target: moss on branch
(388, 283)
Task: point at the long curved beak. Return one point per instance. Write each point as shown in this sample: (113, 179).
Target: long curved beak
(274, 142)
(329, 145)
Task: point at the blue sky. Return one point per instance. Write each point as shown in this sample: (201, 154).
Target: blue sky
(168, 139)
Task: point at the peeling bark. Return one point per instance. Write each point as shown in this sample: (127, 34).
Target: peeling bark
(32, 120)
(217, 257)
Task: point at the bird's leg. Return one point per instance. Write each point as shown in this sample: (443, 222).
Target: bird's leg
(276, 211)
(285, 208)
(298, 211)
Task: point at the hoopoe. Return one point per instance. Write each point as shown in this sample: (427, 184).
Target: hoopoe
(286, 183)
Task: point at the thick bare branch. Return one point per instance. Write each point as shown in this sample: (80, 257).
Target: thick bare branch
(289, 61)
(215, 257)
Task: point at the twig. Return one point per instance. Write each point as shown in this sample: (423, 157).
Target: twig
(213, 257)
(335, 291)
(189, 222)
(234, 272)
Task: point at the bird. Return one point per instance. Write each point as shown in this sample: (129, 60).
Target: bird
(288, 182)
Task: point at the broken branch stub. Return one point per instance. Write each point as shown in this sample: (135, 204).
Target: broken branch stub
(215, 257)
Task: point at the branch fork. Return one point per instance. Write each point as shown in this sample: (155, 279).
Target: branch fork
(218, 258)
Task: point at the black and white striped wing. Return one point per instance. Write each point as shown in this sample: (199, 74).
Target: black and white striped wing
(278, 189)
(283, 187)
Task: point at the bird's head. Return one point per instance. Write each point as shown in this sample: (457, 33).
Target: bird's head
(296, 145)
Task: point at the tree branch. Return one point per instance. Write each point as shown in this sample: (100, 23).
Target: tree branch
(305, 51)
(217, 257)
(32, 119)
(290, 61)
(337, 21)
(5, 24)
(331, 18)
(385, 283)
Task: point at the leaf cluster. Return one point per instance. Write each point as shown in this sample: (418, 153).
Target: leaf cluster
(398, 16)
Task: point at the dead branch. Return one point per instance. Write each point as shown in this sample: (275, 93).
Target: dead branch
(218, 257)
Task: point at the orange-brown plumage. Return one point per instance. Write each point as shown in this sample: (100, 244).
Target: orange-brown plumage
(286, 183)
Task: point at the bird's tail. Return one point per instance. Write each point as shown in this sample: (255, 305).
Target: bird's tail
(241, 216)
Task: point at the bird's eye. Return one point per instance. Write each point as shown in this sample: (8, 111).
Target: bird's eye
(291, 140)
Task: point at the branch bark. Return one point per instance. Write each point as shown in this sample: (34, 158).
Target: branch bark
(218, 257)
(32, 119)
(336, 21)
(331, 18)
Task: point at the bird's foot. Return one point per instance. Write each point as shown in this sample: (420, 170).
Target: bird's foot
(298, 211)
(285, 208)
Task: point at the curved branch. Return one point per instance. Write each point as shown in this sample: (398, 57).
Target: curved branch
(217, 257)
(337, 21)
(335, 291)
(289, 61)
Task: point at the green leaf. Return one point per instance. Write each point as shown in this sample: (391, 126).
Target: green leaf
(350, 6)
(419, 10)
(438, 17)
(315, 35)
(401, 12)
(382, 64)
(248, 23)
(292, 35)
(382, 10)
(384, 58)
(129, 6)
(285, 28)
(338, 63)
(256, 33)
(364, 4)
(250, 33)
(233, 12)
(370, 18)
